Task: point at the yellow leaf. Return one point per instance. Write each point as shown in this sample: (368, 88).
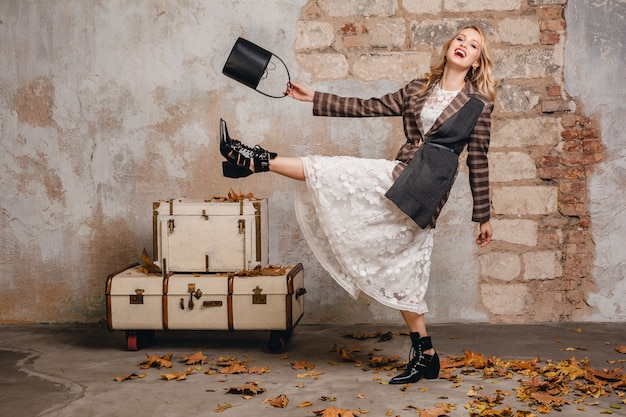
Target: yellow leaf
(223, 407)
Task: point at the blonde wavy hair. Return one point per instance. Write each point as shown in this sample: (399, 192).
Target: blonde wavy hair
(482, 77)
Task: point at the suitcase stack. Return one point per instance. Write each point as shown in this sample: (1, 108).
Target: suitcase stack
(215, 275)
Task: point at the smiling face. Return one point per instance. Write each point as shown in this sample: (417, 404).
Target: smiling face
(465, 49)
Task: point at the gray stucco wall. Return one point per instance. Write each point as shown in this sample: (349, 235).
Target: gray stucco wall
(594, 72)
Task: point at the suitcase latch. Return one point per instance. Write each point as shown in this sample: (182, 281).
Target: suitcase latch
(137, 298)
(257, 297)
(170, 226)
(193, 292)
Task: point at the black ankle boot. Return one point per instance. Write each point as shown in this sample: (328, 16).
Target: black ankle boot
(421, 364)
(239, 156)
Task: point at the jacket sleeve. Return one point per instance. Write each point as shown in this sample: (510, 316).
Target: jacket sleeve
(326, 104)
(479, 166)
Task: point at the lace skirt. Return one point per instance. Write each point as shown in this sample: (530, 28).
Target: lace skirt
(360, 237)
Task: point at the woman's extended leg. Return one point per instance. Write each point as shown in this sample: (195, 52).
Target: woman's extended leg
(290, 167)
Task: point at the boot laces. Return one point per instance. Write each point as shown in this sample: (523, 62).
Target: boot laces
(246, 151)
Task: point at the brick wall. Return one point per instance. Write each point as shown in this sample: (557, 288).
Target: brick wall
(543, 146)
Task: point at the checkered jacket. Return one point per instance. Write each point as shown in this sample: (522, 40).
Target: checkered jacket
(408, 102)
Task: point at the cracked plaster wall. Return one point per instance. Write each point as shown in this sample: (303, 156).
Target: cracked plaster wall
(594, 71)
(108, 106)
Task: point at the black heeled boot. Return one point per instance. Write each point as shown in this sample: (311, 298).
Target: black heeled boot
(239, 156)
(421, 364)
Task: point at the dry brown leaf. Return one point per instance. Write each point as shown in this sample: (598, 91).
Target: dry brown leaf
(251, 388)
(302, 365)
(178, 376)
(235, 368)
(280, 402)
(433, 412)
(259, 371)
(223, 407)
(363, 336)
(195, 359)
(148, 267)
(549, 400)
(305, 404)
(378, 361)
(337, 412)
(155, 361)
(129, 377)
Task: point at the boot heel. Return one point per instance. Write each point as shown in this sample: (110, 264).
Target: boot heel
(235, 171)
(432, 371)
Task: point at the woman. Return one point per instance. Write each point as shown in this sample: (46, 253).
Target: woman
(368, 221)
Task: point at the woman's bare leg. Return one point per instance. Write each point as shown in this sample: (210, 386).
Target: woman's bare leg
(290, 167)
(416, 323)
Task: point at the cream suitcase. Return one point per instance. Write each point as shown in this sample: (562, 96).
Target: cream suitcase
(210, 236)
(268, 302)
(134, 304)
(141, 303)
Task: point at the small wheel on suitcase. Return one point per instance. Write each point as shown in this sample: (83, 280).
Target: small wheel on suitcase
(277, 341)
(135, 340)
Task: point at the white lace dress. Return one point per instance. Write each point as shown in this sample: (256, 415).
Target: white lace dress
(359, 236)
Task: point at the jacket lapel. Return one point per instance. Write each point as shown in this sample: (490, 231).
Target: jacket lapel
(419, 105)
(457, 103)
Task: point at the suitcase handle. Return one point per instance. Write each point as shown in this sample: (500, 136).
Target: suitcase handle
(300, 292)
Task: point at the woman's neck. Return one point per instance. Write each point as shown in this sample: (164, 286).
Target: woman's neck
(452, 80)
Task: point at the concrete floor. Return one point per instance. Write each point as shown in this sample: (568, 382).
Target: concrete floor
(69, 370)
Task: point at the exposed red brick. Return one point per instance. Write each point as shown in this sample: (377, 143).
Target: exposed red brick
(569, 120)
(551, 12)
(592, 145)
(573, 133)
(550, 160)
(572, 146)
(557, 25)
(573, 187)
(585, 223)
(554, 90)
(581, 158)
(550, 38)
(579, 209)
(590, 133)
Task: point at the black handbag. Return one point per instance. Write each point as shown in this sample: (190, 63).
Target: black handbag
(249, 64)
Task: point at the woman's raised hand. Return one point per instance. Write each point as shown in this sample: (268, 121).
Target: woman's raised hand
(299, 92)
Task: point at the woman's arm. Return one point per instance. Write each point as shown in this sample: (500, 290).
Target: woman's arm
(325, 104)
(479, 165)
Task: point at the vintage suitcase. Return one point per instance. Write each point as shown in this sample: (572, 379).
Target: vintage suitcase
(210, 236)
(268, 302)
(140, 303)
(134, 304)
